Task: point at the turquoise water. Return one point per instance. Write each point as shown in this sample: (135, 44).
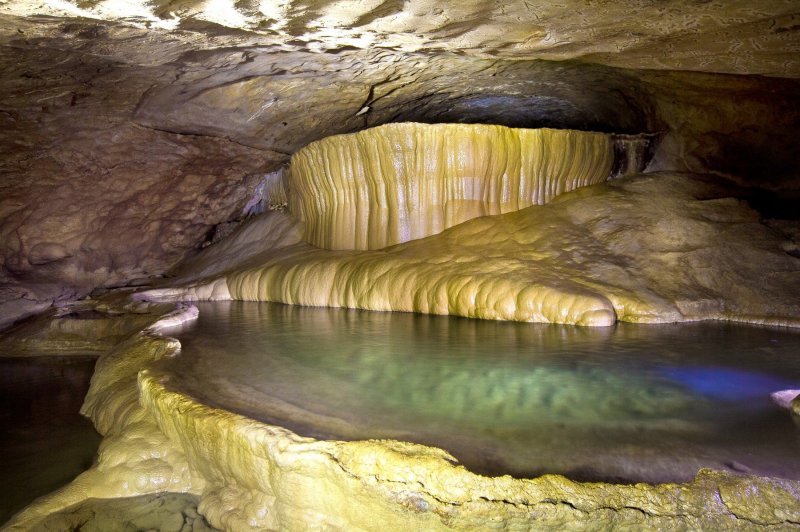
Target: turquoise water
(628, 403)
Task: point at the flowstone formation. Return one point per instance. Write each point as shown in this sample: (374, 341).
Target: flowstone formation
(400, 182)
(134, 133)
(647, 249)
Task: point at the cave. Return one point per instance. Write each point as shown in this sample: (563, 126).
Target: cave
(323, 264)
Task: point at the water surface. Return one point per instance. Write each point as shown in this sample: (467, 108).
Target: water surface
(627, 403)
(44, 441)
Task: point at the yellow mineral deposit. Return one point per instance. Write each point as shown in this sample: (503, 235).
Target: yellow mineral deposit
(635, 249)
(399, 182)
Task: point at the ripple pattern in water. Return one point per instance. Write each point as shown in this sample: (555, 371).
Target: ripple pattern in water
(628, 403)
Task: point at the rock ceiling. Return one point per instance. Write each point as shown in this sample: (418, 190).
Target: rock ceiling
(736, 36)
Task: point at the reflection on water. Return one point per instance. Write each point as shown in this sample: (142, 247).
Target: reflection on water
(644, 403)
(44, 441)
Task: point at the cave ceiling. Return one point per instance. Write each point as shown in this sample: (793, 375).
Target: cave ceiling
(735, 37)
(129, 130)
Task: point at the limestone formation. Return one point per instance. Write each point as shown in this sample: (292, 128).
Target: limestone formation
(735, 36)
(641, 249)
(165, 512)
(786, 399)
(134, 134)
(401, 182)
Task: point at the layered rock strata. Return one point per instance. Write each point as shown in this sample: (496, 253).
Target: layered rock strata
(729, 37)
(401, 182)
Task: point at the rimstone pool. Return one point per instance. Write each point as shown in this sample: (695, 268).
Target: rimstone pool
(623, 404)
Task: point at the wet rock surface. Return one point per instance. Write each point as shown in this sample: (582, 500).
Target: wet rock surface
(651, 248)
(252, 475)
(133, 133)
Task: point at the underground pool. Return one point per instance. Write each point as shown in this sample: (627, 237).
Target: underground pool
(629, 403)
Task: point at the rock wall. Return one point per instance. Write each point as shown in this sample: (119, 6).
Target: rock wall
(739, 127)
(400, 182)
(88, 198)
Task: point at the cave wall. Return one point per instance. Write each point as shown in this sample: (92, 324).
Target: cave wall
(127, 138)
(88, 197)
(743, 128)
